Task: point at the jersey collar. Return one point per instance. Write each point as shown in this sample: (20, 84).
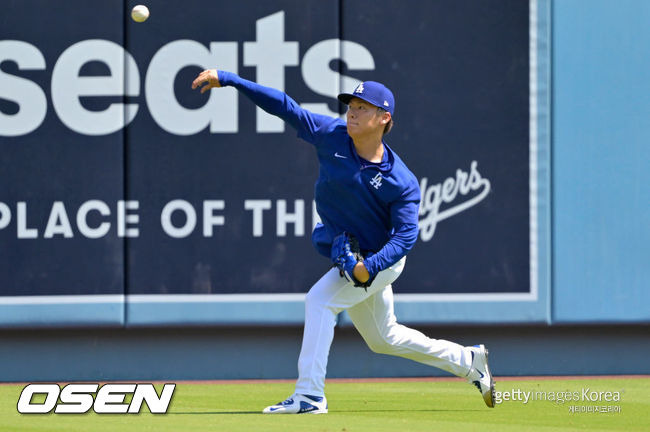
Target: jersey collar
(386, 164)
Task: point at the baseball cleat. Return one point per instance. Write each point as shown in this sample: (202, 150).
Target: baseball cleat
(299, 404)
(479, 374)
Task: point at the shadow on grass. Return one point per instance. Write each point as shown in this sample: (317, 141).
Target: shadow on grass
(336, 412)
(408, 410)
(215, 412)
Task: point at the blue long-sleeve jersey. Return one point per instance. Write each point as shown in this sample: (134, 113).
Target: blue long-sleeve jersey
(376, 202)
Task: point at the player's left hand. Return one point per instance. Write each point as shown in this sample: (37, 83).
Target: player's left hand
(346, 255)
(210, 76)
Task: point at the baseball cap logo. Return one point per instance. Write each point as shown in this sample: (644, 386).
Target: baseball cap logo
(372, 92)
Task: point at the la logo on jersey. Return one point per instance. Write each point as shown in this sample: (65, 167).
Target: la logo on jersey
(359, 88)
(376, 181)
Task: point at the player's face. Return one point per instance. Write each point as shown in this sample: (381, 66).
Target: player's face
(363, 119)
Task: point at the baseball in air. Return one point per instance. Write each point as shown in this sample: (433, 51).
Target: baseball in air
(140, 13)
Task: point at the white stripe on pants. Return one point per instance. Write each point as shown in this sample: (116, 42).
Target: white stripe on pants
(373, 316)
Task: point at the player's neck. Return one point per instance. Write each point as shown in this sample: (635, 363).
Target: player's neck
(371, 148)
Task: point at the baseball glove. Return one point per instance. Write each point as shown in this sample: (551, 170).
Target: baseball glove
(345, 254)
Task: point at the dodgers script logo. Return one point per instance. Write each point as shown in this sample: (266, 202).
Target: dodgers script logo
(451, 191)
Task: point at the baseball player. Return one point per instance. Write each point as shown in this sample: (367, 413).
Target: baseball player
(368, 201)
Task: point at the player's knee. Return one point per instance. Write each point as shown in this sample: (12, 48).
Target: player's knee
(315, 301)
(385, 342)
(380, 346)
(311, 299)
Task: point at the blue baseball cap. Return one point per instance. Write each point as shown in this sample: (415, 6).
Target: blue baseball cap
(372, 92)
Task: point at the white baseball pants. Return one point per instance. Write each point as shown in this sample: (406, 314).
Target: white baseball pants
(373, 316)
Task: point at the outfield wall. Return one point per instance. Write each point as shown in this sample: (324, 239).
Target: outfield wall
(601, 161)
(247, 353)
(128, 202)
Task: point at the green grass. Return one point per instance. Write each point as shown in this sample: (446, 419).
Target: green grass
(394, 407)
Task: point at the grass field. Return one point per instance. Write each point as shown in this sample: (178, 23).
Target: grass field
(366, 406)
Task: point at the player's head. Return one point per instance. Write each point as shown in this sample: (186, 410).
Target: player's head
(370, 94)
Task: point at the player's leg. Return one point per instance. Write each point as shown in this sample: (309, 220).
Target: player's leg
(321, 308)
(326, 299)
(375, 319)
(329, 296)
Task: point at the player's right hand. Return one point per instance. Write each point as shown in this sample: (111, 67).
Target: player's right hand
(209, 76)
